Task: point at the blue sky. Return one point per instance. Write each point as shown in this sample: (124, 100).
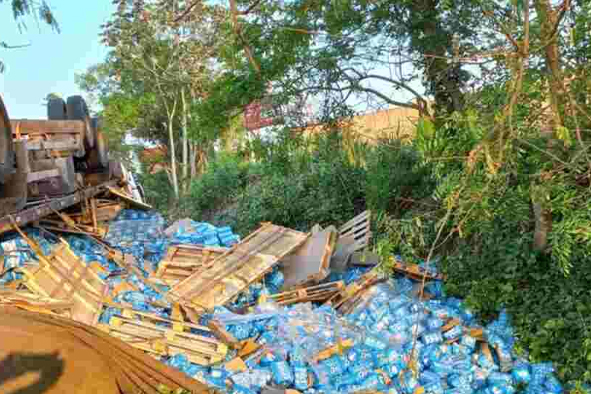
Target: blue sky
(51, 61)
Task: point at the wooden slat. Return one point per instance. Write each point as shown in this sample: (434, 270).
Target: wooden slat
(359, 229)
(235, 270)
(129, 199)
(345, 299)
(415, 271)
(175, 324)
(164, 341)
(183, 260)
(312, 293)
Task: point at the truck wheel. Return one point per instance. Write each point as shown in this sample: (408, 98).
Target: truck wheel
(98, 157)
(78, 110)
(6, 144)
(56, 109)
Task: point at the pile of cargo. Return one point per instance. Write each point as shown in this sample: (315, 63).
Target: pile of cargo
(280, 311)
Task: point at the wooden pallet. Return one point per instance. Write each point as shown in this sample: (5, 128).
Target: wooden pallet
(233, 271)
(183, 260)
(163, 341)
(64, 276)
(309, 263)
(346, 299)
(359, 229)
(307, 294)
(176, 323)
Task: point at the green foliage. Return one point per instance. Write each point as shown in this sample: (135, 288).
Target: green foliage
(158, 192)
(301, 184)
(396, 174)
(486, 243)
(224, 179)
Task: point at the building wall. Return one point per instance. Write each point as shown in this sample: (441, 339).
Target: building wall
(396, 122)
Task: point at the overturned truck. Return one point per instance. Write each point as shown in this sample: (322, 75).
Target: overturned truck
(49, 165)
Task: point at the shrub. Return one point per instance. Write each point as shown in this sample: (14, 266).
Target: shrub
(395, 172)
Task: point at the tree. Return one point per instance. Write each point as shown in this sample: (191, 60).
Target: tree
(155, 73)
(341, 49)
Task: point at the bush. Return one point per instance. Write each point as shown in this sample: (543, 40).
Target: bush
(299, 187)
(396, 174)
(224, 179)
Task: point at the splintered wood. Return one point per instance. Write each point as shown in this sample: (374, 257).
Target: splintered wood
(158, 336)
(32, 302)
(183, 260)
(358, 228)
(129, 199)
(346, 299)
(310, 263)
(63, 276)
(307, 294)
(236, 269)
(415, 271)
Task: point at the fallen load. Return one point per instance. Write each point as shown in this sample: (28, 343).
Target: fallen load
(279, 311)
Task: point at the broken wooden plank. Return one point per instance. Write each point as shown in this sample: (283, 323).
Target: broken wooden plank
(181, 261)
(236, 269)
(306, 294)
(26, 300)
(164, 341)
(338, 348)
(359, 229)
(345, 299)
(220, 332)
(414, 271)
(129, 199)
(310, 262)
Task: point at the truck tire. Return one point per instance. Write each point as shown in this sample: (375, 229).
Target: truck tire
(78, 110)
(6, 144)
(56, 109)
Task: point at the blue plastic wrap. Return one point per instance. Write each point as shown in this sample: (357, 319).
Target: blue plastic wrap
(282, 373)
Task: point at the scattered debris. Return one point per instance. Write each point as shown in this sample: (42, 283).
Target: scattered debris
(279, 312)
(236, 269)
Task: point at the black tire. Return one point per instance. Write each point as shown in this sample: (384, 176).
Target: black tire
(56, 109)
(98, 157)
(78, 110)
(6, 144)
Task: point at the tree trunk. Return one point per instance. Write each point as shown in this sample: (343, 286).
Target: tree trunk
(185, 142)
(175, 180)
(442, 77)
(193, 161)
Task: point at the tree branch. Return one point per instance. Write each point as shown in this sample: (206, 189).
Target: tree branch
(238, 31)
(187, 11)
(251, 8)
